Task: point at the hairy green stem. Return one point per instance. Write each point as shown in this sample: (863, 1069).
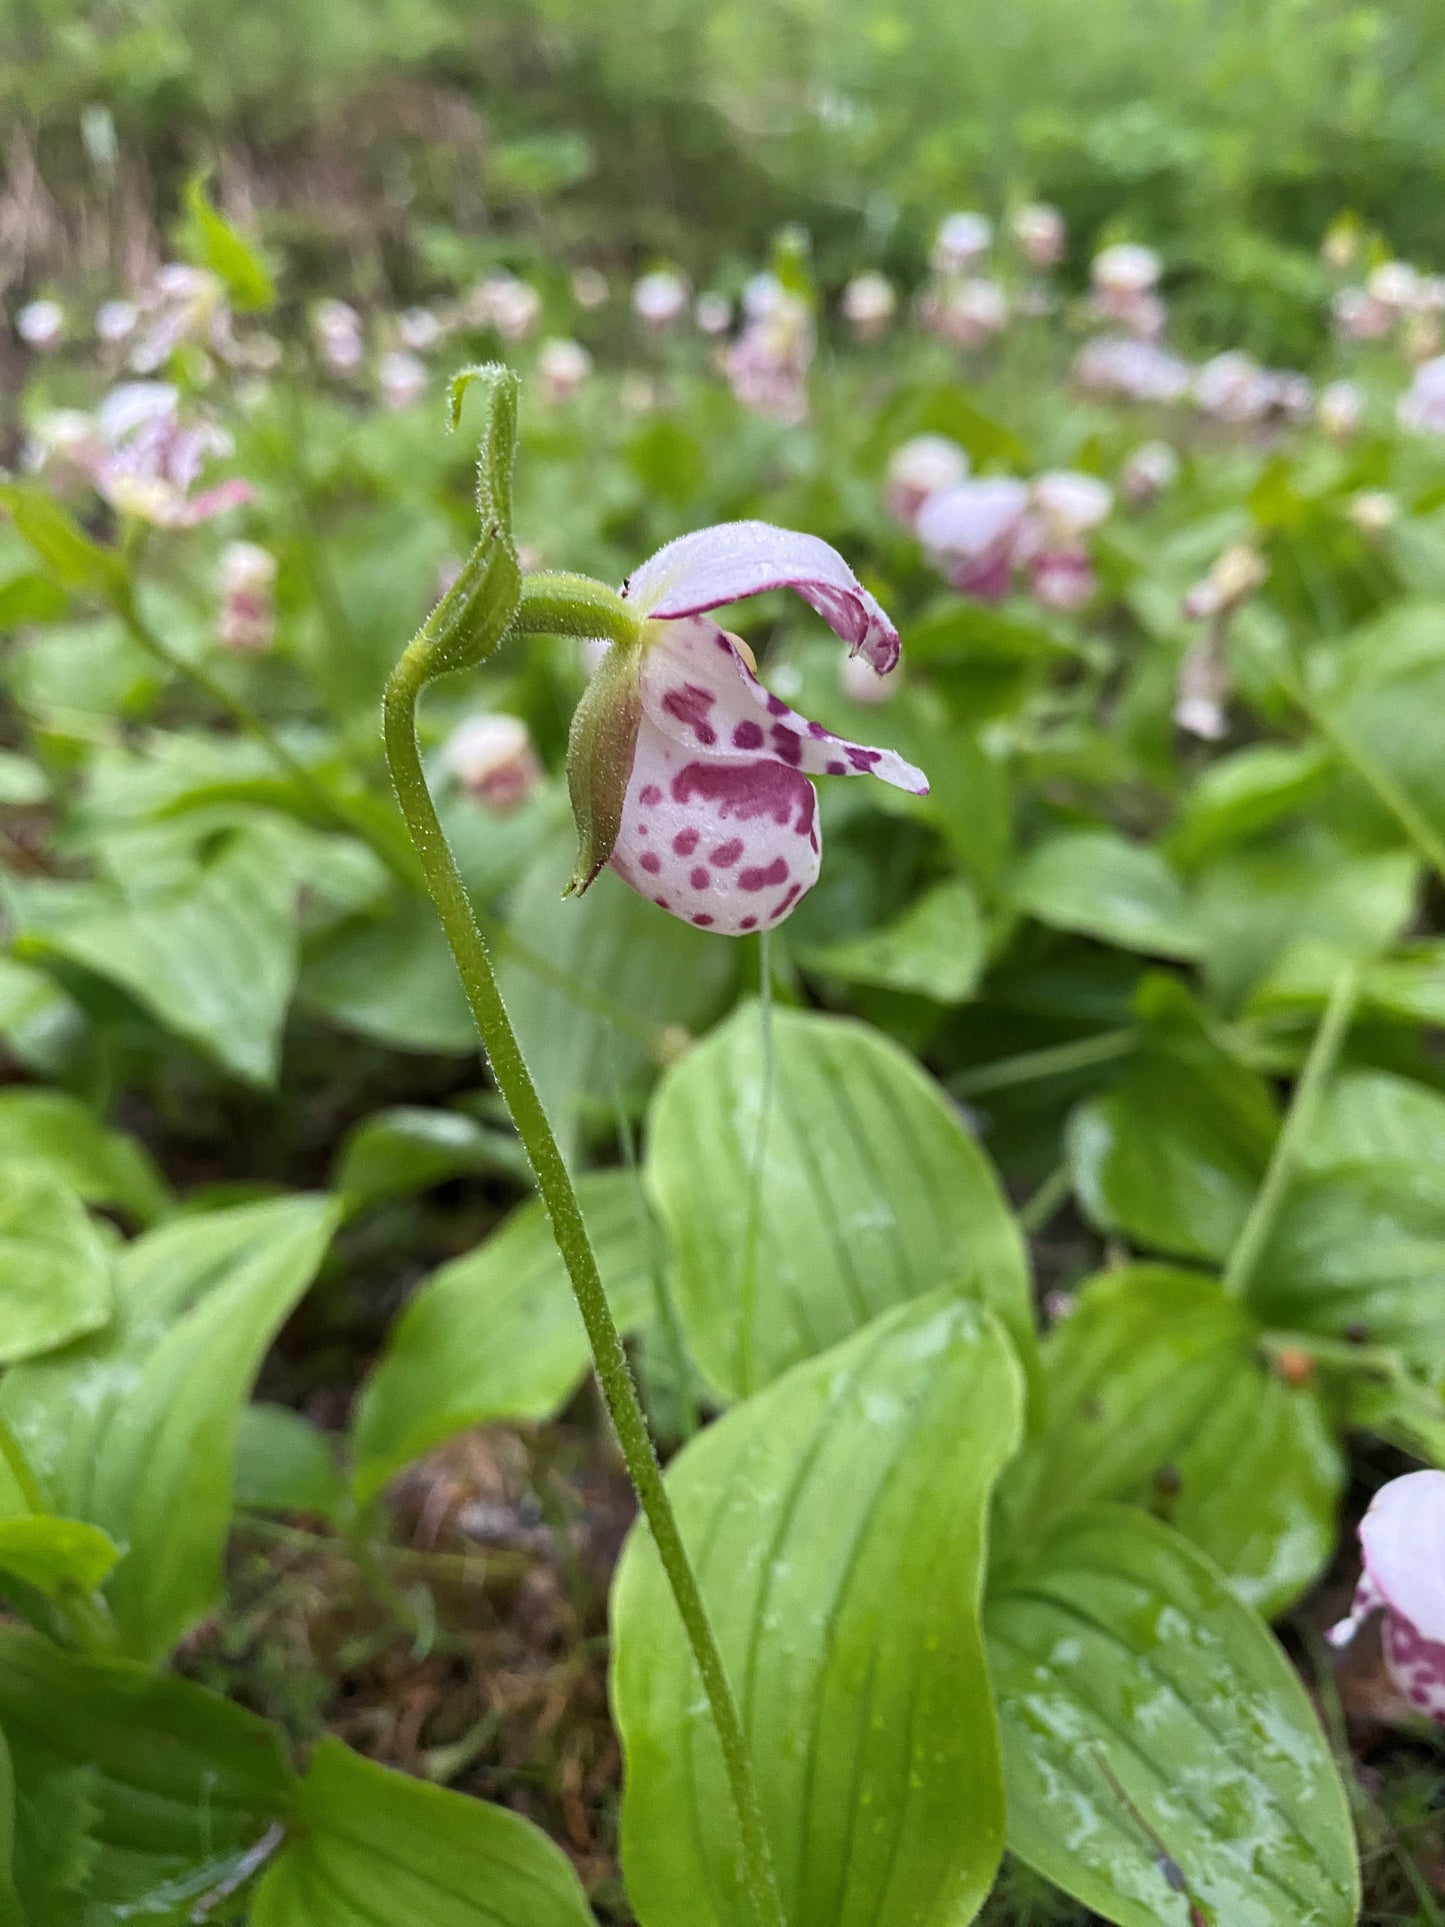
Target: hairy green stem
(574, 605)
(1318, 1067)
(514, 1080)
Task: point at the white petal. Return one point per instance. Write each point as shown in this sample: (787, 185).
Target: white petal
(697, 689)
(1403, 1540)
(732, 560)
(727, 845)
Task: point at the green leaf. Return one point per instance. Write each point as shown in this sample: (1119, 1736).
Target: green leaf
(134, 1429)
(497, 1334)
(935, 949)
(1103, 886)
(868, 1191)
(636, 970)
(164, 1789)
(22, 780)
(31, 598)
(54, 1555)
(1366, 1115)
(11, 1912)
(69, 556)
(104, 1166)
(215, 244)
(837, 1522)
(407, 1149)
(213, 960)
(392, 978)
(1173, 1155)
(372, 1848)
(1120, 1656)
(55, 1267)
(1358, 1252)
(284, 1463)
(1156, 1394)
(1244, 793)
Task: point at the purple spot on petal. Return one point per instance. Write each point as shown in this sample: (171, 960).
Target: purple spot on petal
(750, 790)
(748, 736)
(703, 920)
(787, 903)
(776, 706)
(835, 768)
(685, 842)
(727, 854)
(816, 730)
(699, 878)
(649, 795)
(651, 862)
(788, 743)
(690, 705)
(862, 758)
(748, 923)
(662, 903)
(760, 879)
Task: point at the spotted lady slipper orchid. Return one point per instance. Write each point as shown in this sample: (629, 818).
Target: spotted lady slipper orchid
(492, 758)
(153, 456)
(1152, 468)
(918, 469)
(1133, 370)
(1402, 1540)
(182, 304)
(686, 774)
(767, 366)
(971, 531)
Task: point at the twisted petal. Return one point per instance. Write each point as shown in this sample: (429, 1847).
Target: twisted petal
(723, 564)
(729, 845)
(698, 690)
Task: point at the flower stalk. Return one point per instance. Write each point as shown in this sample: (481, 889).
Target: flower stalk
(481, 620)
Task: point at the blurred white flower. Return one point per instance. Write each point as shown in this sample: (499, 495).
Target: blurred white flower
(961, 243)
(153, 454)
(659, 299)
(337, 328)
(65, 447)
(1232, 387)
(507, 303)
(1421, 409)
(1070, 503)
(247, 624)
(492, 758)
(41, 325)
(767, 366)
(1134, 370)
(115, 322)
(589, 288)
(970, 532)
(1395, 283)
(1041, 235)
(918, 468)
(562, 369)
(401, 379)
(182, 305)
(419, 329)
(868, 303)
(1124, 270)
(1232, 580)
(713, 313)
(1152, 468)
(1373, 511)
(1062, 579)
(969, 313)
(1358, 316)
(763, 294)
(1340, 409)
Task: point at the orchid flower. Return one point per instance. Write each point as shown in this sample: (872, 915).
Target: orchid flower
(686, 773)
(1402, 1538)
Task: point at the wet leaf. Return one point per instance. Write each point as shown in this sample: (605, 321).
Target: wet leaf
(1121, 1661)
(55, 1267)
(867, 1191)
(837, 1523)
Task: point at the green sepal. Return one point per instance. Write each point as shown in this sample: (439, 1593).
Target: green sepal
(600, 750)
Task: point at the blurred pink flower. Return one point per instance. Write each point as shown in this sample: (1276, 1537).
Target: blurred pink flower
(917, 469)
(1402, 1539)
(247, 625)
(151, 457)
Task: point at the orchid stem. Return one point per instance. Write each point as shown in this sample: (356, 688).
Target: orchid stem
(1318, 1067)
(748, 1292)
(514, 1080)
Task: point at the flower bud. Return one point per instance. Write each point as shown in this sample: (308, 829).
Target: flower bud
(492, 757)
